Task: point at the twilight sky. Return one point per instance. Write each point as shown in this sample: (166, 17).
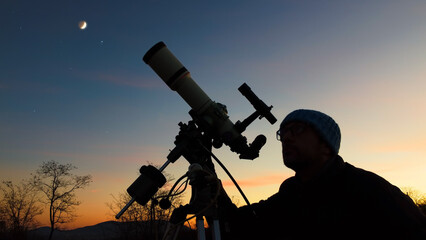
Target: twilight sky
(85, 96)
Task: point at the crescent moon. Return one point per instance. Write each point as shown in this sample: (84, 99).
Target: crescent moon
(82, 25)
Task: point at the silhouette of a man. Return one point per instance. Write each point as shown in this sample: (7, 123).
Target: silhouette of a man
(327, 198)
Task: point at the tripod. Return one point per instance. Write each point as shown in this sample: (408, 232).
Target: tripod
(209, 128)
(202, 204)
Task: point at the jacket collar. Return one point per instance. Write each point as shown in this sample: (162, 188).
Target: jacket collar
(330, 169)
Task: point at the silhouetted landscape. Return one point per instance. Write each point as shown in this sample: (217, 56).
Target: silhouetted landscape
(110, 230)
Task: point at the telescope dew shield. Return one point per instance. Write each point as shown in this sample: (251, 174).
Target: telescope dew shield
(176, 76)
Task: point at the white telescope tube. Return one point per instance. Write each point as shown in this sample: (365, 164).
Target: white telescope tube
(178, 78)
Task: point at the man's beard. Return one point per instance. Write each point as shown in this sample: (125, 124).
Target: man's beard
(295, 164)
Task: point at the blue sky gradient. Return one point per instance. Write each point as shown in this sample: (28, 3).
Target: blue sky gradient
(85, 96)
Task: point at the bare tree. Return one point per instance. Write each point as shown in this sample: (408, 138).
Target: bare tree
(19, 207)
(58, 186)
(418, 198)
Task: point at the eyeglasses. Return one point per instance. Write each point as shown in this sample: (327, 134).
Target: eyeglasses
(295, 129)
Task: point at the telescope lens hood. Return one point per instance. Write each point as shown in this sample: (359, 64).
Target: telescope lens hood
(151, 52)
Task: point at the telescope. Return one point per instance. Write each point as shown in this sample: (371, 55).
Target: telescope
(211, 117)
(210, 127)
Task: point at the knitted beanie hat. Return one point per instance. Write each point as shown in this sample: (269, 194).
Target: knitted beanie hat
(325, 126)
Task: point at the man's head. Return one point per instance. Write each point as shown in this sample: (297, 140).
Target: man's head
(309, 138)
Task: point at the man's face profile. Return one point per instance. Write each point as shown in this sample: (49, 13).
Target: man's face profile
(301, 145)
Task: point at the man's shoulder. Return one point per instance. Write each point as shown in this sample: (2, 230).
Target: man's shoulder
(359, 180)
(361, 176)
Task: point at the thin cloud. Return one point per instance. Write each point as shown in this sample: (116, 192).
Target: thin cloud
(121, 79)
(135, 157)
(31, 86)
(137, 82)
(414, 145)
(257, 181)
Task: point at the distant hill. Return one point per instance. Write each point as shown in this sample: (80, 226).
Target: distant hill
(110, 230)
(106, 231)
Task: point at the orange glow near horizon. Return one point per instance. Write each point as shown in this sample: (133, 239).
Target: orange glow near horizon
(257, 181)
(93, 210)
(86, 98)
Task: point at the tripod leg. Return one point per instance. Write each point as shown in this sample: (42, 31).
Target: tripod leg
(172, 231)
(216, 230)
(200, 228)
(175, 223)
